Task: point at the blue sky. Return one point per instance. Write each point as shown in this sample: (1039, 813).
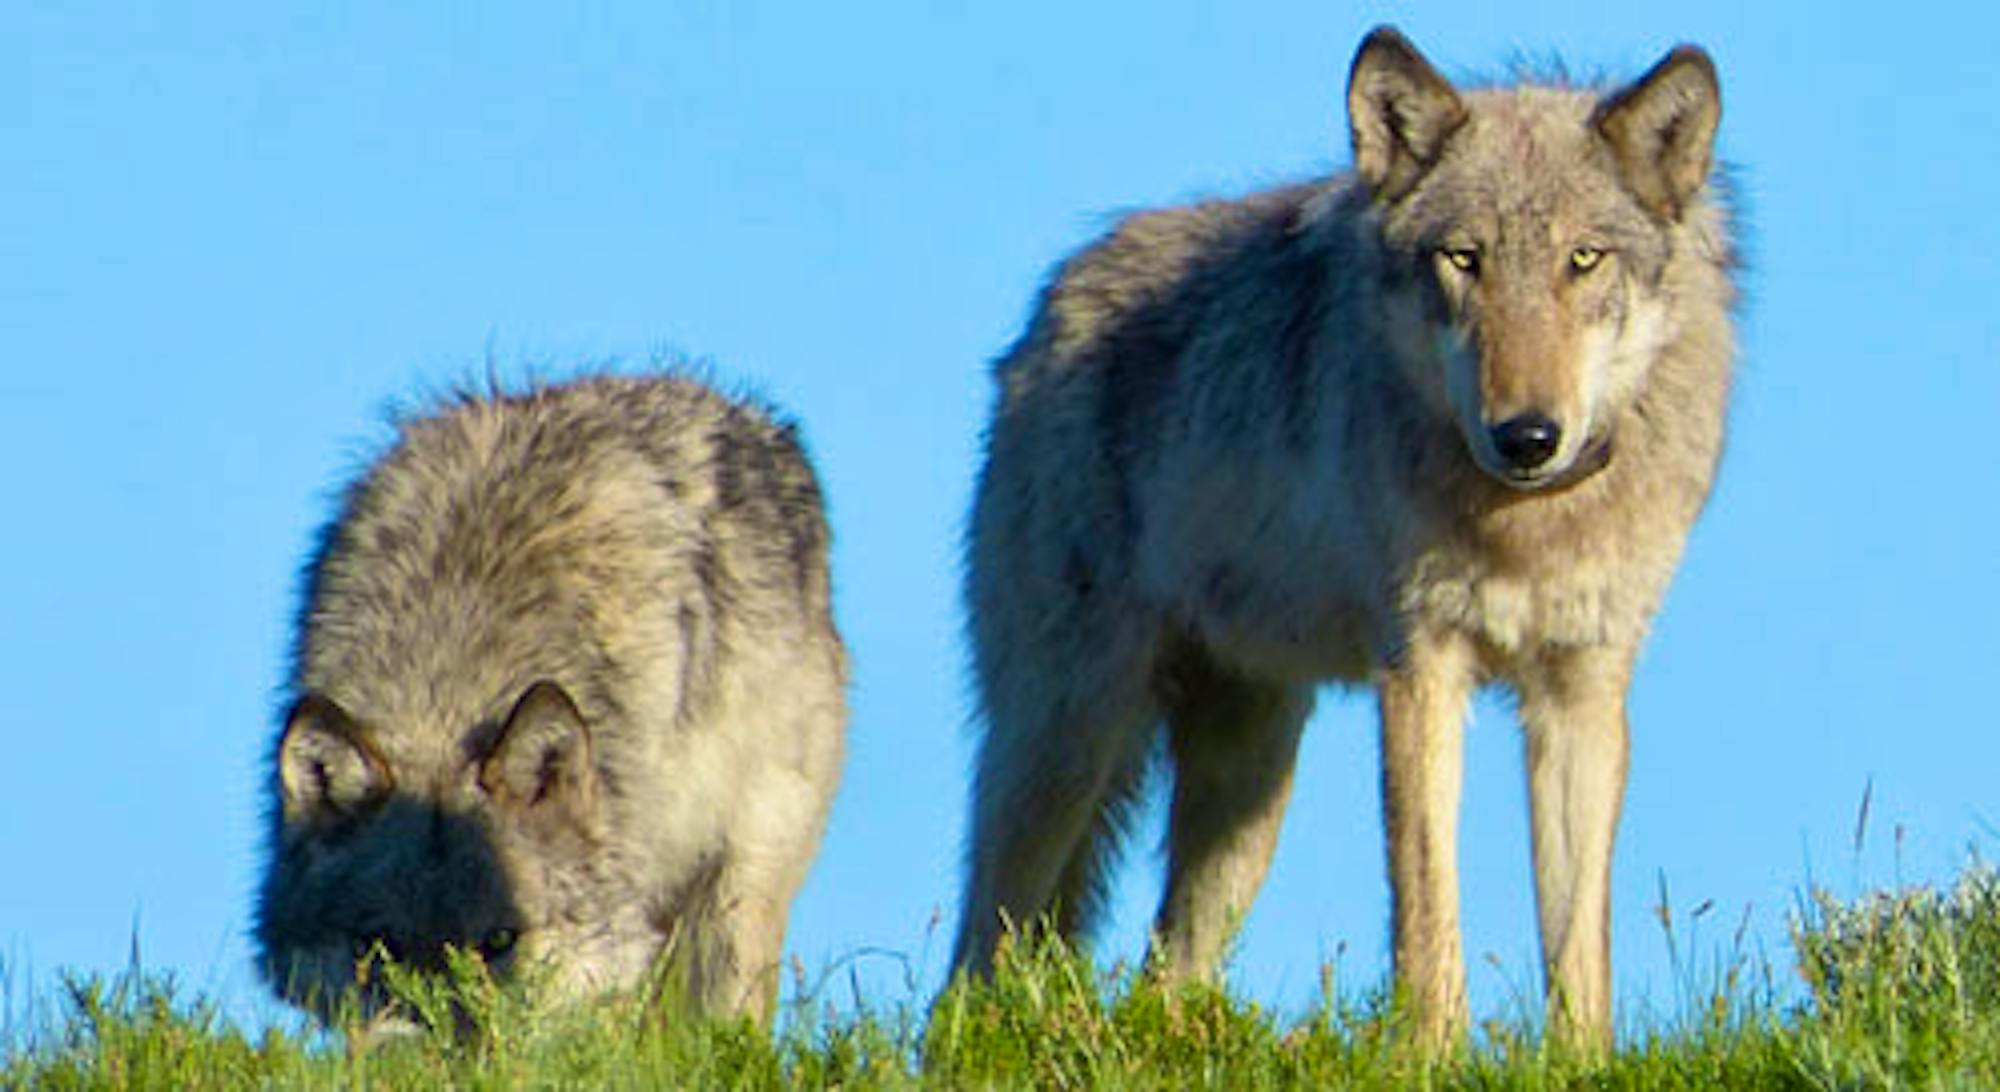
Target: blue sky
(228, 236)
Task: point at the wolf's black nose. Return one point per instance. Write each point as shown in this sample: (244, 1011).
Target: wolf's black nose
(1527, 441)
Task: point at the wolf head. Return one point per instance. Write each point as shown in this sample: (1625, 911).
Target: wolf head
(406, 857)
(1530, 235)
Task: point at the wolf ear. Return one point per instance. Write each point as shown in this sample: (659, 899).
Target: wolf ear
(1661, 129)
(326, 768)
(542, 759)
(1400, 111)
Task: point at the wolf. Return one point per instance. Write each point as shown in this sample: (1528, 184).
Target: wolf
(1438, 421)
(566, 692)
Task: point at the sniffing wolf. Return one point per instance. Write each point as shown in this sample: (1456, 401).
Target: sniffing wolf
(566, 690)
(1439, 421)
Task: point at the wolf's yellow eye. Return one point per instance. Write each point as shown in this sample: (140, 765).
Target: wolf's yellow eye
(1465, 259)
(1585, 258)
(498, 942)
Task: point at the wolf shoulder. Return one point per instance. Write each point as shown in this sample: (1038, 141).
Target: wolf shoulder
(1151, 283)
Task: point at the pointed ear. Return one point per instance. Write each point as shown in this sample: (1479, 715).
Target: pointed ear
(542, 759)
(1400, 112)
(1661, 130)
(326, 768)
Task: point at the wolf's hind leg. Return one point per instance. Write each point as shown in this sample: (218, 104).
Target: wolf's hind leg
(1048, 799)
(1234, 742)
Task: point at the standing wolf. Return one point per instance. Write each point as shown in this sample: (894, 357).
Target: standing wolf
(566, 690)
(1440, 421)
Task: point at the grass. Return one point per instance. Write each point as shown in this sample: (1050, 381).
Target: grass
(1898, 990)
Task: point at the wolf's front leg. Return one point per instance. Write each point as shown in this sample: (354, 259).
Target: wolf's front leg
(1573, 708)
(745, 957)
(1423, 699)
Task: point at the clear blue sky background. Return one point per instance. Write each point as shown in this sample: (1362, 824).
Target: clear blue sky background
(230, 233)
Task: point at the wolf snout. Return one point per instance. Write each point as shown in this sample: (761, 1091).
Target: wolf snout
(1527, 441)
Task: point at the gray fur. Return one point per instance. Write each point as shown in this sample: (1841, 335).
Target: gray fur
(1248, 445)
(566, 687)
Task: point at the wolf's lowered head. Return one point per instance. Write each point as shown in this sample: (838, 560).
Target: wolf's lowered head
(486, 850)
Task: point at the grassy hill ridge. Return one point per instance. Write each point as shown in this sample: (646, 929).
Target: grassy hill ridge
(1900, 989)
